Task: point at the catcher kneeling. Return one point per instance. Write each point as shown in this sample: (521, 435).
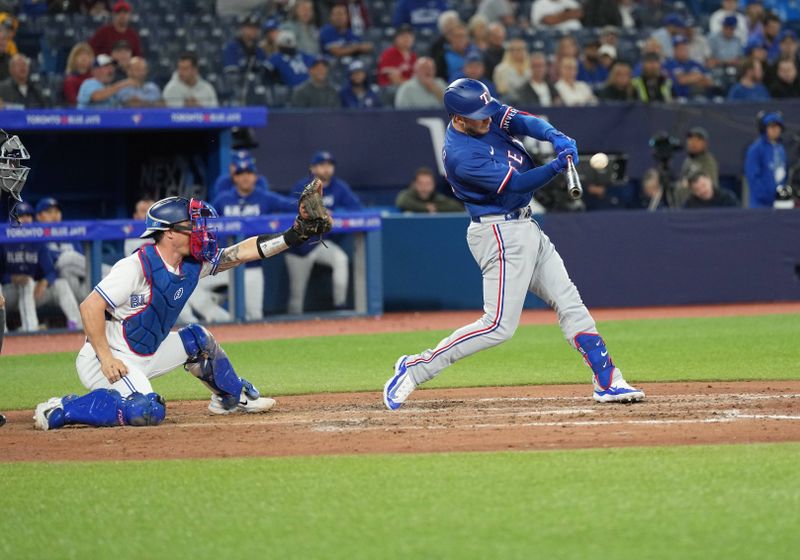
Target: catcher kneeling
(129, 314)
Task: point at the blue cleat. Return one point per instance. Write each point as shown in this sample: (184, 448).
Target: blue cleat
(617, 391)
(399, 386)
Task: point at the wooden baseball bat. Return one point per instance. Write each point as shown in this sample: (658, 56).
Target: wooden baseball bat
(574, 187)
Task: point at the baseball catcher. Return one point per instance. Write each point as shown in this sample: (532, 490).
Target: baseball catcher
(129, 314)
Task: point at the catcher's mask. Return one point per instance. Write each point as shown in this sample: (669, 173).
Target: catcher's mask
(169, 212)
(12, 173)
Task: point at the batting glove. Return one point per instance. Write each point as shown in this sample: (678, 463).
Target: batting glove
(559, 164)
(562, 142)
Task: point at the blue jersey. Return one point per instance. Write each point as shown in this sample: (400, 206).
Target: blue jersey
(336, 196)
(675, 68)
(368, 100)
(235, 56)
(28, 259)
(293, 70)
(329, 37)
(56, 248)
(225, 183)
(479, 168)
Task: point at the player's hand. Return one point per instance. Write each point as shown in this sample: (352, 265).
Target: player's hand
(559, 164)
(563, 142)
(113, 369)
(39, 290)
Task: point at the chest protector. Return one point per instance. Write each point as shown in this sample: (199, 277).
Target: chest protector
(147, 329)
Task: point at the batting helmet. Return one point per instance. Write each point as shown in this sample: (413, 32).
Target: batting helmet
(471, 99)
(765, 118)
(12, 173)
(168, 212)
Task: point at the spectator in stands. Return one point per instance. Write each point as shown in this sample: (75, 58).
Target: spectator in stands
(750, 86)
(420, 14)
(288, 64)
(477, 27)
(651, 196)
(765, 164)
(608, 55)
(690, 79)
(564, 15)
(788, 49)
(301, 23)
(515, 69)
(421, 196)
(567, 47)
(396, 63)
(122, 54)
(729, 9)
(495, 48)
(5, 52)
(242, 54)
(186, 88)
(537, 91)
(609, 35)
(652, 85)
(358, 93)
(17, 90)
(94, 8)
(754, 12)
(99, 91)
(650, 13)
(140, 93)
(699, 49)
(337, 39)
(698, 160)
(225, 181)
(269, 40)
(572, 91)
(475, 69)
(589, 68)
(599, 13)
(619, 86)
(726, 47)
(704, 195)
(118, 29)
(317, 91)
(424, 91)
(500, 11)
(456, 50)
(337, 195)
(79, 69)
(247, 200)
(446, 22)
(771, 35)
(786, 82)
(673, 26)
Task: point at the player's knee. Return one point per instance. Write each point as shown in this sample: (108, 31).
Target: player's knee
(197, 340)
(144, 410)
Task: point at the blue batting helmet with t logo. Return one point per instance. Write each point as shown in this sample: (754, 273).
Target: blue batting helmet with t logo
(471, 99)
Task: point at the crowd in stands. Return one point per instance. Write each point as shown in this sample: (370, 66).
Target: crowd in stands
(366, 54)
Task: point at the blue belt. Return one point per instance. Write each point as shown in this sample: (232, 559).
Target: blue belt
(519, 214)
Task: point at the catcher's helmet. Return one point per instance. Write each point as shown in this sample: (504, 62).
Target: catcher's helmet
(12, 173)
(168, 212)
(471, 99)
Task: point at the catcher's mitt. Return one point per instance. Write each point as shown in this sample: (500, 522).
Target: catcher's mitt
(312, 218)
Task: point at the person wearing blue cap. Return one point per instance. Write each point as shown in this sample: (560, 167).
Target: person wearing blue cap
(243, 54)
(726, 47)
(225, 181)
(242, 201)
(358, 92)
(729, 9)
(765, 166)
(690, 79)
(31, 279)
(337, 195)
(269, 43)
(674, 25)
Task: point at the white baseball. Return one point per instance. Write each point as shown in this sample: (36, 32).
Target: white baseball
(599, 161)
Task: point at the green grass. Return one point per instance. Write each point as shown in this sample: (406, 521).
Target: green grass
(728, 502)
(721, 348)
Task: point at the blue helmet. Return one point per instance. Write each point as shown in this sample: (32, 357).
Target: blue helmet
(168, 212)
(471, 99)
(769, 117)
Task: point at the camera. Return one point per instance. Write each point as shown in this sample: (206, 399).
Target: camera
(664, 146)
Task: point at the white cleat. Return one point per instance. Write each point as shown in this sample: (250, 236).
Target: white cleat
(618, 391)
(42, 411)
(399, 386)
(246, 405)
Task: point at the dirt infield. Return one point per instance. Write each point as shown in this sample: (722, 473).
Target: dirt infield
(436, 420)
(402, 322)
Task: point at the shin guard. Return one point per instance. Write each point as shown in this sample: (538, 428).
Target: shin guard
(595, 354)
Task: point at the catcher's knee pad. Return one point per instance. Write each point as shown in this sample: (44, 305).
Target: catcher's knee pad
(106, 407)
(595, 354)
(209, 363)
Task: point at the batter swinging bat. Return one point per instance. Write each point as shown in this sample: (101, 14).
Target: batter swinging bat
(574, 187)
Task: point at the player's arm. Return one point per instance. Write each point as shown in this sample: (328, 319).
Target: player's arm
(488, 174)
(93, 314)
(519, 123)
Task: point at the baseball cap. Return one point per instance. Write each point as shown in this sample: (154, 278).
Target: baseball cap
(607, 50)
(698, 131)
(250, 21)
(102, 60)
(609, 30)
(730, 21)
(247, 165)
(240, 154)
(121, 6)
(23, 209)
(320, 60)
(286, 38)
(679, 40)
(405, 28)
(321, 157)
(356, 66)
(752, 44)
(270, 24)
(45, 204)
(674, 19)
(473, 57)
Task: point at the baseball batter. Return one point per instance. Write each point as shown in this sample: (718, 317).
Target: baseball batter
(491, 172)
(129, 314)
